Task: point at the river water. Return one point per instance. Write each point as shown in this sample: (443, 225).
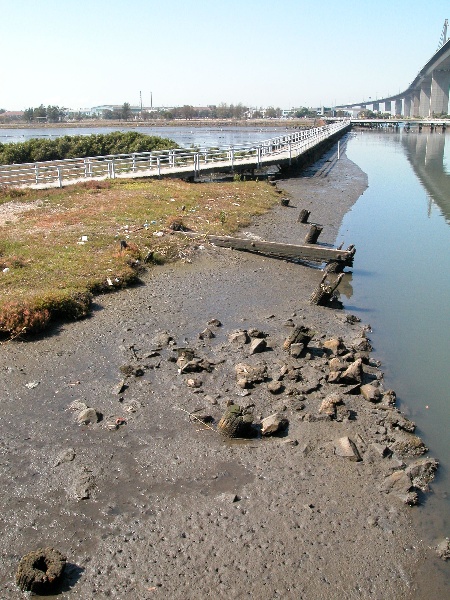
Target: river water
(185, 136)
(400, 283)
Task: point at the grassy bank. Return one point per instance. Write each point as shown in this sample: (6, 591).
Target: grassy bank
(58, 248)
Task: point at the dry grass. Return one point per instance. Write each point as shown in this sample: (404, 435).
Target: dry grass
(61, 246)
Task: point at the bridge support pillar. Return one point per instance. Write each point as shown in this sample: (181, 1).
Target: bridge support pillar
(398, 108)
(415, 112)
(425, 95)
(407, 110)
(440, 83)
(376, 106)
(388, 106)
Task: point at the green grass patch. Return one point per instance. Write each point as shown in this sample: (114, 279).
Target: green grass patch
(58, 248)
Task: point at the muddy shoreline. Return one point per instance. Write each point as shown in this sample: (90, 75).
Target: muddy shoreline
(162, 506)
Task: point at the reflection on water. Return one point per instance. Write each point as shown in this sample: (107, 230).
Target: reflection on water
(426, 153)
(400, 227)
(345, 287)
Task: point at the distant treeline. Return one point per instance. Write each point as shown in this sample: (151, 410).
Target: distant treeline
(80, 146)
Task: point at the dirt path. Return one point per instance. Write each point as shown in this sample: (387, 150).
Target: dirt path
(163, 507)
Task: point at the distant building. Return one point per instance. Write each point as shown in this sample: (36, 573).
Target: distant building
(11, 115)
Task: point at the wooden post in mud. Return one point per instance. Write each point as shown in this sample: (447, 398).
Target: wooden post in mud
(334, 266)
(313, 234)
(323, 292)
(303, 216)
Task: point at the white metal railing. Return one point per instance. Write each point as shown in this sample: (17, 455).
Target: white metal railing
(178, 160)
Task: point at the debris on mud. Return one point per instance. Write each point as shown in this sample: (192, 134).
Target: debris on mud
(443, 549)
(40, 570)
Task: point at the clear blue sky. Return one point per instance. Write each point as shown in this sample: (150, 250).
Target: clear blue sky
(83, 53)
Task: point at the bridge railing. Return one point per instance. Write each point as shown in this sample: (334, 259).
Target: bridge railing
(61, 172)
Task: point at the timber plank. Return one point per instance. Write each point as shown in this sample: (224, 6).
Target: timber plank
(286, 251)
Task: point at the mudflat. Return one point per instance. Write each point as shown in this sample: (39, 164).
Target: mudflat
(147, 501)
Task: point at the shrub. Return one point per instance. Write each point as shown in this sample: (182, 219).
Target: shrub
(72, 305)
(175, 224)
(17, 318)
(81, 146)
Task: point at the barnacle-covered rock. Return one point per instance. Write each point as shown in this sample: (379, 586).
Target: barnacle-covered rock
(40, 570)
(236, 423)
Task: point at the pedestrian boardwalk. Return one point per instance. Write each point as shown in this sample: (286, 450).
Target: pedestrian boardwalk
(179, 162)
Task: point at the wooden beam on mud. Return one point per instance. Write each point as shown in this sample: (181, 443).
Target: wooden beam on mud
(312, 253)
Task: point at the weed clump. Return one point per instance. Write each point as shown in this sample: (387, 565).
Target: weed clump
(22, 317)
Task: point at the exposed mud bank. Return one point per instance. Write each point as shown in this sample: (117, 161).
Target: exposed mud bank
(147, 502)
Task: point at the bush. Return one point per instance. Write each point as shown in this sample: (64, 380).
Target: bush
(81, 146)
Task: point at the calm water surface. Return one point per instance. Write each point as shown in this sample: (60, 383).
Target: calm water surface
(401, 278)
(184, 136)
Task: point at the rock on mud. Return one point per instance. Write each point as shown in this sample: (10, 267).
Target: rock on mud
(250, 373)
(40, 570)
(346, 448)
(443, 549)
(371, 393)
(257, 345)
(399, 483)
(328, 406)
(273, 424)
(65, 456)
(236, 423)
(88, 416)
(408, 445)
(422, 472)
(239, 337)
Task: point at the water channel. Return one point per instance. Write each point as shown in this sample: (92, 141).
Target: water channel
(400, 282)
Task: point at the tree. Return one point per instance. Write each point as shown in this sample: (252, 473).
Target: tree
(271, 112)
(366, 114)
(303, 112)
(55, 114)
(240, 111)
(40, 112)
(126, 111)
(187, 112)
(28, 115)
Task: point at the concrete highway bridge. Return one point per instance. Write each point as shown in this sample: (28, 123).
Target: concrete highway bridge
(426, 96)
(396, 121)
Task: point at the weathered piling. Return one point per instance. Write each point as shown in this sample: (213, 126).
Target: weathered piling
(303, 216)
(313, 234)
